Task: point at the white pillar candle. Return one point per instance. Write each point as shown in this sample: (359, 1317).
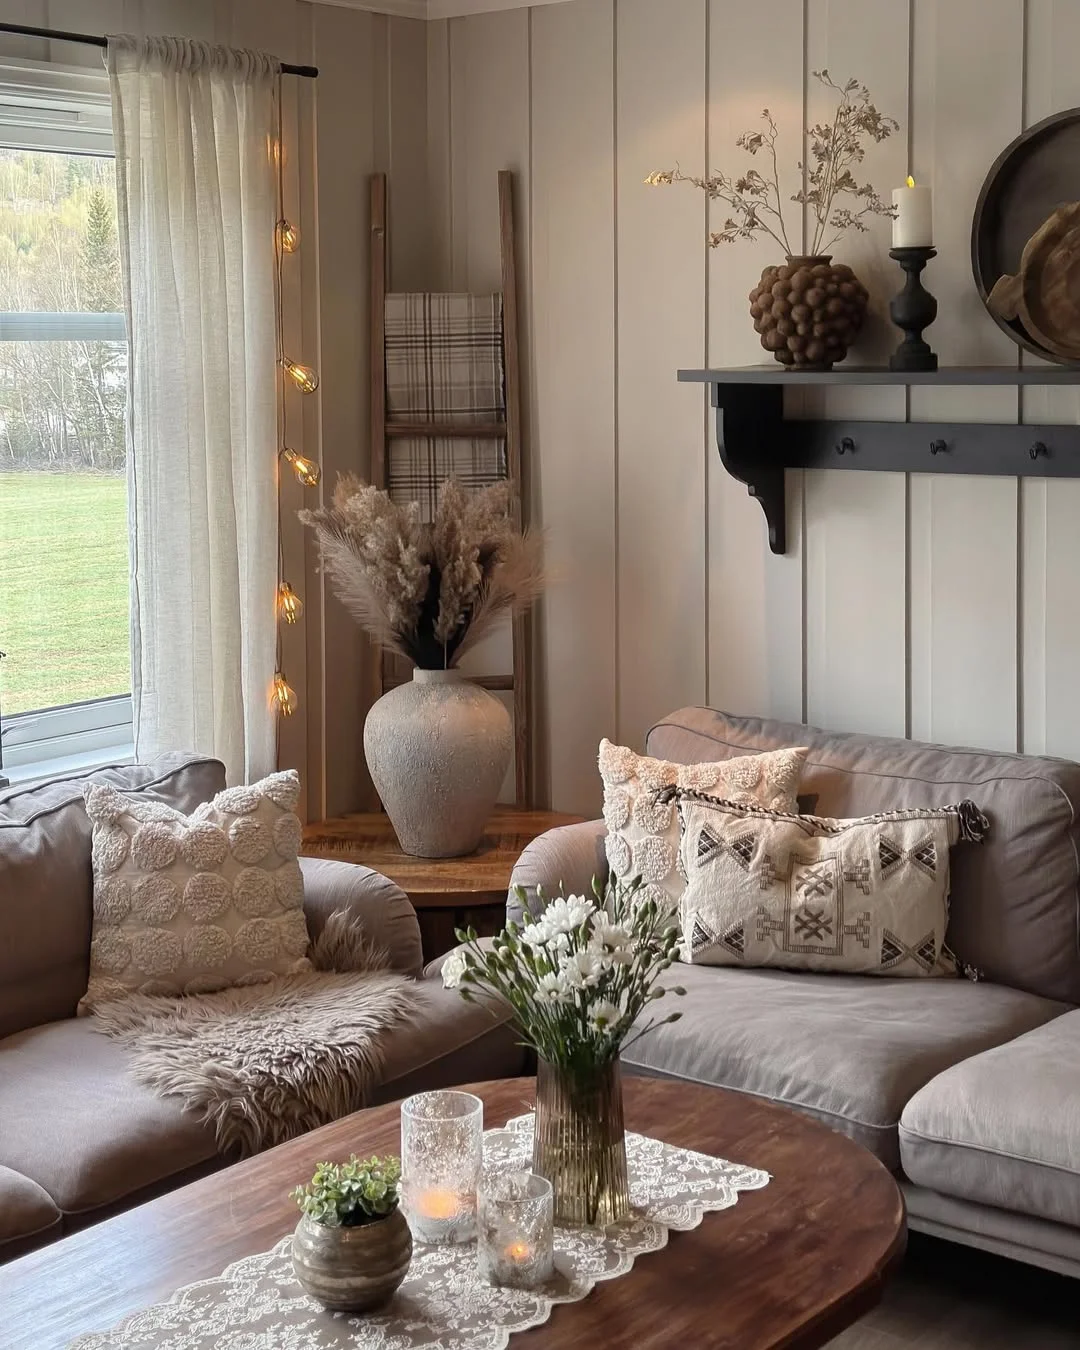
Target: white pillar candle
(913, 226)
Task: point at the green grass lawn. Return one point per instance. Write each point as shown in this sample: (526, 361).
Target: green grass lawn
(63, 589)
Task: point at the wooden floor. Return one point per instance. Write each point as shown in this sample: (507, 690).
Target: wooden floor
(948, 1297)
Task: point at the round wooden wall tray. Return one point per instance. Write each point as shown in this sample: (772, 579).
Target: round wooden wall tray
(1025, 239)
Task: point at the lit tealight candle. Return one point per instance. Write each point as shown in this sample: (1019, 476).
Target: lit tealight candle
(515, 1247)
(439, 1204)
(442, 1147)
(913, 225)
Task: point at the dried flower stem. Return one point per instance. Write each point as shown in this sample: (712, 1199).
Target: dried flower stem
(834, 148)
(427, 592)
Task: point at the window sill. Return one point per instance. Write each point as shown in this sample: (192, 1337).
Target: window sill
(67, 766)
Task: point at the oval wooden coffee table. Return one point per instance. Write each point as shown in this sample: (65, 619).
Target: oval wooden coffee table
(789, 1266)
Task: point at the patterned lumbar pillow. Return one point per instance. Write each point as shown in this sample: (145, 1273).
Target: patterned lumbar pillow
(867, 896)
(190, 904)
(643, 828)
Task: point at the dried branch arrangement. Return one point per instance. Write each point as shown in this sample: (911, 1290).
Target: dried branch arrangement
(756, 200)
(427, 591)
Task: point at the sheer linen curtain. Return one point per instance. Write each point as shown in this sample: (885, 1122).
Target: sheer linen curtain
(195, 133)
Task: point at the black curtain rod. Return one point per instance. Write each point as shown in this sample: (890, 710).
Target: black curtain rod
(58, 35)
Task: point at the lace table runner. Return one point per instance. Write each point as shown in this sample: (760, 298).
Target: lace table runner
(443, 1304)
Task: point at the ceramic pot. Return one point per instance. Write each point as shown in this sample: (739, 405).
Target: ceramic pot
(350, 1269)
(438, 750)
(808, 311)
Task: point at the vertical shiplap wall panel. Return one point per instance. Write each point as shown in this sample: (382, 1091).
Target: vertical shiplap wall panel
(856, 523)
(84, 16)
(439, 158)
(490, 131)
(190, 18)
(410, 254)
(1050, 510)
(573, 275)
(271, 25)
(34, 13)
(380, 91)
(345, 145)
(755, 661)
(315, 628)
(489, 100)
(966, 105)
(660, 109)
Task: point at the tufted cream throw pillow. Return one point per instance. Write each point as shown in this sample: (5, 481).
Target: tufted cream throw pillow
(868, 896)
(643, 832)
(190, 904)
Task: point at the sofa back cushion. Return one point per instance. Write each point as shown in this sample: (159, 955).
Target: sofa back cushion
(1015, 906)
(46, 889)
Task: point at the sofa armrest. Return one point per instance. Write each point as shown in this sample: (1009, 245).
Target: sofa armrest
(388, 918)
(568, 857)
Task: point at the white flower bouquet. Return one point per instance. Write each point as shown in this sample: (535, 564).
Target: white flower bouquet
(579, 976)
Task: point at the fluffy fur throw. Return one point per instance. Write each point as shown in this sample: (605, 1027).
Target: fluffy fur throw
(263, 1063)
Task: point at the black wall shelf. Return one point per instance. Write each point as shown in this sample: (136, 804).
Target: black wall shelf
(756, 444)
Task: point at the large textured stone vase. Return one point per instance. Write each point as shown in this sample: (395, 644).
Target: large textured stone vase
(808, 311)
(438, 750)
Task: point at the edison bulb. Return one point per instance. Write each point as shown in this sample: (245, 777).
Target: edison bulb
(303, 377)
(282, 698)
(306, 470)
(288, 236)
(290, 606)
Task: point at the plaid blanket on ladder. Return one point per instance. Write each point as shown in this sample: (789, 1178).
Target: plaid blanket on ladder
(444, 364)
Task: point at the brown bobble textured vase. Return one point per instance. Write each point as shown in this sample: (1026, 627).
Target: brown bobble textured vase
(808, 311)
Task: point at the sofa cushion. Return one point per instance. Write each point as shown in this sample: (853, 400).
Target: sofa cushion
(867, 896)
(448, 1042)
(643, 833)
(81, 1126)
(26, 1213)
(85, 1130)
(45, 880)
(849, 1050)
(193, 902)
(1003, 1128)
(1015, 906)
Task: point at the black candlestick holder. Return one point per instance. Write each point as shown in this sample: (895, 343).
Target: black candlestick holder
(912, 310)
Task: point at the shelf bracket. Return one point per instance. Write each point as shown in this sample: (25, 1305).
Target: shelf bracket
(749, 431)
(757, 446)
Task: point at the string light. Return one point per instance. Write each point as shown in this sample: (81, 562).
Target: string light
(306, 470)
(303, 377)
(282, 698)
(290, 606)
(288, 236)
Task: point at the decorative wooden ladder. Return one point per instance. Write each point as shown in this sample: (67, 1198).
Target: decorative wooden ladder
(393, 669)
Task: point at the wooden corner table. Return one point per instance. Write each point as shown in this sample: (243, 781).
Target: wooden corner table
(447, 893)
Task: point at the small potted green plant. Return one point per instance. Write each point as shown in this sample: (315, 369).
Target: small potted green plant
(352, 1247)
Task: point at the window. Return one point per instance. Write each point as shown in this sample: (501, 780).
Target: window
(64, 576)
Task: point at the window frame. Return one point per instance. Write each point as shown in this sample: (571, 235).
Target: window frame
(62, 110)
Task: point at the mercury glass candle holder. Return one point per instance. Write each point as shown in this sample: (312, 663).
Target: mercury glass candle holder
(442, 1146)
(516, 1230)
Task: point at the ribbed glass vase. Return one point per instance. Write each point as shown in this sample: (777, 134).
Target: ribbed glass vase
(580, 1142)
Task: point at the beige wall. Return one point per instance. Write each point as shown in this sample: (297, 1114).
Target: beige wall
(931, 606)
(936, 607)
(367, 111)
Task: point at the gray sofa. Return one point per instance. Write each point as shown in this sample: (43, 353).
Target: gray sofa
(970, 1092)
(79, 1137)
